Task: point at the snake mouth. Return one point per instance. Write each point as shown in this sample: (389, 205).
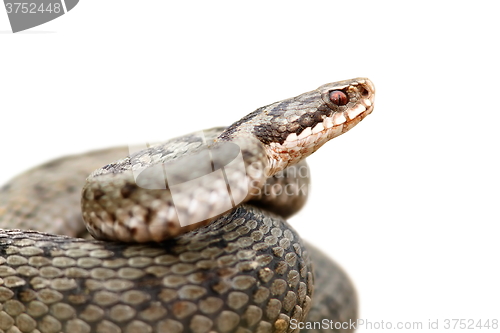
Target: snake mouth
(365, 91)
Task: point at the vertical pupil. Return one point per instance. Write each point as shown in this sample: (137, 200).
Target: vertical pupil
(338, 97)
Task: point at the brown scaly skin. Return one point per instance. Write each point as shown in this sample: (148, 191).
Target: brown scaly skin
(248, 271)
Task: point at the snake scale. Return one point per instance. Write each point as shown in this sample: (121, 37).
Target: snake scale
(185, 245)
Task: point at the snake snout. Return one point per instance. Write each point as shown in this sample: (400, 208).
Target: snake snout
(366, 93)
(362, 92)
(368, 87)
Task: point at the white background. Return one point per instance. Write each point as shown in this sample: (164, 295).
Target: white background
(407, 202)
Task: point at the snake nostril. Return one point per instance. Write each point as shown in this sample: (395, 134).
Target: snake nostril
(364, 93)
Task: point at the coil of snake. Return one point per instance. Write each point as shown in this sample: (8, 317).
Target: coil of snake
(222, 259)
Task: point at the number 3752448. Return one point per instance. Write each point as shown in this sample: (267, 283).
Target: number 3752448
(32, 8)
(470, 324)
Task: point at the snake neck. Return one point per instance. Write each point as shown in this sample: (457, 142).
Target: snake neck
(168, 189)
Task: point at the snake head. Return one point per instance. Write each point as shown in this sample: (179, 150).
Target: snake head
(294, 128)
(353, 99)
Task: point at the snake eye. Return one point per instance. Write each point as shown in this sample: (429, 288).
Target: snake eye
(338, 97)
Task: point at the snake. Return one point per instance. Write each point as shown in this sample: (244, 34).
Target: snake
(186, 235)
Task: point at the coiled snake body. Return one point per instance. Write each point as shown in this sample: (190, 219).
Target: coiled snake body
(193, 235)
